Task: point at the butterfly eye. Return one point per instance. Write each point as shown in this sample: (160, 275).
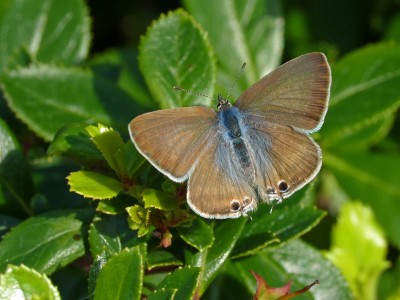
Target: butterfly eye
(283, 186)
(235, 205)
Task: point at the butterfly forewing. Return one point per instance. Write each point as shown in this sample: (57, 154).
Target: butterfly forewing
(173, 139)
(294, 94)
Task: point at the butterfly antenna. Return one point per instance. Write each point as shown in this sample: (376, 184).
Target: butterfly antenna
(193, 93)
(236, 79)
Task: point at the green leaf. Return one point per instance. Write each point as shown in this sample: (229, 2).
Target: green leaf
(95, 268)
(197, 233)
(133, 159)
(373, 179)
(50, 31)
(44, 243)
(370, 135)
(94, 185)
(359, 249)
(121, 276)
(8, 142)
(305, 264)
(389, 285)
(163, 295)
(116, 205)
(111, 145)
(294, 261)
(157, 199)
(242, 31)
(364, 92)
(15, 174)
(138, 214)
(27, 283)
(73, 141)
(212, 260)
(175, 52)
(162, 258)
(6, 223)
(184, 280)
(392, 32)
(110, 234)
(46, 98)
(283, 224)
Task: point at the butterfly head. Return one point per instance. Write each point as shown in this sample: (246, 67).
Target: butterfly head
(223, 103)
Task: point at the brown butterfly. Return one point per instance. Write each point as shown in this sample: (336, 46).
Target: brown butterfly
(258, 148)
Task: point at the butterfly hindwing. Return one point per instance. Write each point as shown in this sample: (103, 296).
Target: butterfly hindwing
(285, 158)
(218, 188)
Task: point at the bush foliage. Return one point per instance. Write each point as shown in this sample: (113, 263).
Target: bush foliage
(83, 214)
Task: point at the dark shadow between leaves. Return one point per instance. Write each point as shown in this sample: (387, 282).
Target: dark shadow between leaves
(118, 105)
(17, 183)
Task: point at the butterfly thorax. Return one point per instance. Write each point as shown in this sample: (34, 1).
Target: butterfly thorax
(234, 134)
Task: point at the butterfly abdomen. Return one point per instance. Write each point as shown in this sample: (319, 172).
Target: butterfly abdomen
(233, 134)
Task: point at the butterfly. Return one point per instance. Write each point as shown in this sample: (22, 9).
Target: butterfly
(258, 149)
